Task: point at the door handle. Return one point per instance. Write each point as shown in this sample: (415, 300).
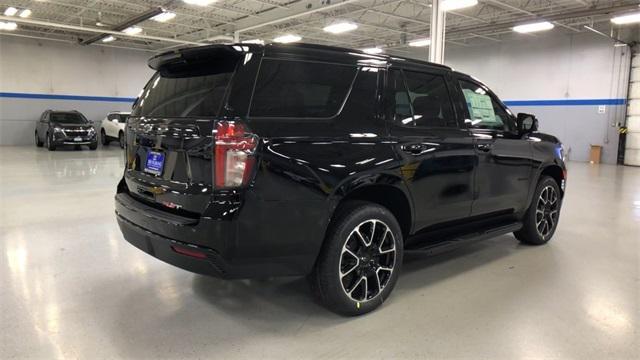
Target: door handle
(414, 149)
(484, 147)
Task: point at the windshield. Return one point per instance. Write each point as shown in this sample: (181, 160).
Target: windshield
(67, 118)
(122, 118)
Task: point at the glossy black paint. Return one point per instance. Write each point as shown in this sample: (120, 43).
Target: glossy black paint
(46, 128)
(431, 179)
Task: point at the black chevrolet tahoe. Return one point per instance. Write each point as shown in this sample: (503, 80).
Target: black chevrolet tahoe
(256, 161)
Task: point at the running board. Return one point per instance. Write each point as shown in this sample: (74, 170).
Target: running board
(455, 242)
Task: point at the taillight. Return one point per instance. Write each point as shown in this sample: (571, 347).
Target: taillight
(234, 154)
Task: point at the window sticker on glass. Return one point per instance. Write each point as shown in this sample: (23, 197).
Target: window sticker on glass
(480, 107)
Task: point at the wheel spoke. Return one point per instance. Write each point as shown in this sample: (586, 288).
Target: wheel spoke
(355, 266)
(384, 238)
(362, 238)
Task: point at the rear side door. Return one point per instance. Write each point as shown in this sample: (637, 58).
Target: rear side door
(437, 154)
(504, 158)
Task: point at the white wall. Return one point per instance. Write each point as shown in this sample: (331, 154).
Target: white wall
(554, 67)
(47, 67)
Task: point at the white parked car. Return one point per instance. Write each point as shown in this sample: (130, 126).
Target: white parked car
(113, 127)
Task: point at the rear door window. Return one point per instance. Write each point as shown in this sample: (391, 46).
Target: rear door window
(298, 89)
(430, 100)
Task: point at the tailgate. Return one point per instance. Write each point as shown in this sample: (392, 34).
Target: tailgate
(170, 162)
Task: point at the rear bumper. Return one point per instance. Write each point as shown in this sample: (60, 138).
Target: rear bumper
(164, 249)
(214, 247)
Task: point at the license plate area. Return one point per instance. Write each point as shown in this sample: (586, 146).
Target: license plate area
(77, 139)
(154, 163)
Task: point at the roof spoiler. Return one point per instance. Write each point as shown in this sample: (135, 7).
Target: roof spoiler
(203, 60)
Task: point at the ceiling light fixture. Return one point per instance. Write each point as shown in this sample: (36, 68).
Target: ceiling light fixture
(534, 27)
(286, 39)
(25, 13)
(253, 41)
(420, 42)
(448, 5)
(373, 50)
(8, 25)
(164, 17)
(340, 27)
(626, 19)
(10, 11)
(109, 38)
(199, 2)
(132, 30)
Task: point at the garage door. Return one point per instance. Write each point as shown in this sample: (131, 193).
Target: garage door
(632, 150)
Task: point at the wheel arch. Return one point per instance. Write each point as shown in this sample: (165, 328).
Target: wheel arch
(555, 172)
(390, 195)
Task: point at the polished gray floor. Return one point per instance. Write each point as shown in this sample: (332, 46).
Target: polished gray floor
(71, 287)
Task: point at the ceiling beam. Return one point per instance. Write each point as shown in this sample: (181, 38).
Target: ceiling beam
(125, 24)
(47, 24)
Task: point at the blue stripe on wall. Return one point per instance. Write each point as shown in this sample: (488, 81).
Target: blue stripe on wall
(562, 102)
(566, 102)
(65, 97)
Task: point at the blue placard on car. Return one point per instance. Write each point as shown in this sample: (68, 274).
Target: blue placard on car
(155, 162)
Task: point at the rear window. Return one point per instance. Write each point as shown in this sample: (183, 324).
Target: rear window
(296, 89)
(67, 118)
(185, 96)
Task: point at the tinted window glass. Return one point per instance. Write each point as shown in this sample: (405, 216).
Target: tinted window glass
(190, 96)
(430, 101)
(122, 118)
(484, 111)
(360, 107)
(300, 89)
(67, 118)
(399, 104)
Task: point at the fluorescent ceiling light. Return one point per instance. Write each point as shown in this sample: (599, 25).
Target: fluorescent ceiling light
(254, 41)
(200, 2)
(25, 13)
(164, 17)
(289, 38)
(448, 5)
(132, 30)
(626, 19)
(420, 42)
(340, 27)
(10, 11)
(528, 28)
(8, 25)
(373, 50)
(109, 38)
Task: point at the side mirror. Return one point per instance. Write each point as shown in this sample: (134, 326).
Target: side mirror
(527, 123)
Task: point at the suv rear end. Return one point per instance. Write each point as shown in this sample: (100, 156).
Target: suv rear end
(204, 188)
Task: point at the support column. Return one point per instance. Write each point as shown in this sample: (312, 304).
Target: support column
(438, 18)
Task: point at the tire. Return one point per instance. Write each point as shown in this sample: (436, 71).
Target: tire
(121, 139)
(541, 219)
(104, 138)
(93, 145)
(50, 145)
(38, 142)
(345, 259)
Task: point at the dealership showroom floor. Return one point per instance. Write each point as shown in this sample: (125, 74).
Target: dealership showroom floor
(72, 287)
